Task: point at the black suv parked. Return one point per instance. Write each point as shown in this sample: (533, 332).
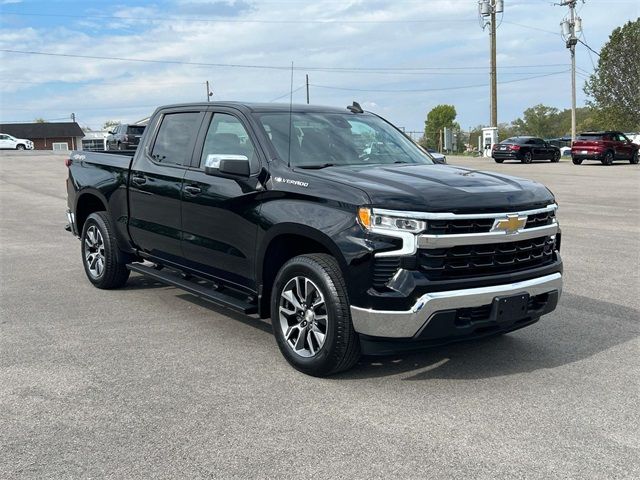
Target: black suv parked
(525, 149)
(125, 137)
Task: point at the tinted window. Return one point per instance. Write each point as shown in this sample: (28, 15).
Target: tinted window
(590, 137)
(227, 136)
(175, 137)
(135, 130)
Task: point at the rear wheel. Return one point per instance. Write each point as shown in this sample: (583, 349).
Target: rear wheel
(527, 157)
(608, 158)
(311, 318)
(499, 160)
(556, 157)
(634, 158)
(577, 161)
(102, 262)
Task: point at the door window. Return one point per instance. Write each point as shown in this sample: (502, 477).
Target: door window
(175, 138)
(227, 137)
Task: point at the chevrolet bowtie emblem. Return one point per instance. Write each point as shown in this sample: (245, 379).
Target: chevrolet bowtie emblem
(511, 224)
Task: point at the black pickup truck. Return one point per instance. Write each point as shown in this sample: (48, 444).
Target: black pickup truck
(286, 212)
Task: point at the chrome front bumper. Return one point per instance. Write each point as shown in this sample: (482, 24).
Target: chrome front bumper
(407, 324)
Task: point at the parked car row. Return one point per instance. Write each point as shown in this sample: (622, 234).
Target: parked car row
(12, 143)
(605, 147)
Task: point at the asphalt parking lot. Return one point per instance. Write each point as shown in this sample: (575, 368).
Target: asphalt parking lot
(150, 382)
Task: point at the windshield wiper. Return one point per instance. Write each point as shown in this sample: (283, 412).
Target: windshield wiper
(317, 167)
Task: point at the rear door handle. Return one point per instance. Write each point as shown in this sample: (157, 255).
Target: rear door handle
(192, 190)
(139, 180)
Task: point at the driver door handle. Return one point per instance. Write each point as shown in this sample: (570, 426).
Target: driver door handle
(192, 190)
(138, 180)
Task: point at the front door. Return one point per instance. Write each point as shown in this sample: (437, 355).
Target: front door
(219, 215)
(155, 186)
(623, 146)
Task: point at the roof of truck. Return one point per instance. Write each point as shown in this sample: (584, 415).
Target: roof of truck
(263, 107)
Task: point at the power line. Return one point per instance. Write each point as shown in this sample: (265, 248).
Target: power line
(270, 67)
(590, 49)
(461, 87)
(288, 93)
(235, 20)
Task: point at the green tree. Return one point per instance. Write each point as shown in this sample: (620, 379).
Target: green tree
(614, 87)
(540, 121)
(40, 120)
(438, 118)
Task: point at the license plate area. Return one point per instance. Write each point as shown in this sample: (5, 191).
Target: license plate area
(510, 308)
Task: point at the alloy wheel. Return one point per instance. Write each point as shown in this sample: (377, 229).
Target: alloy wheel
(94, 251)
(303, 316)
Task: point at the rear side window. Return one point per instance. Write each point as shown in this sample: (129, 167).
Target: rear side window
(135, 130)
(175, 137)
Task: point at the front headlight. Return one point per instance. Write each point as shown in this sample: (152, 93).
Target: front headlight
(372, 221)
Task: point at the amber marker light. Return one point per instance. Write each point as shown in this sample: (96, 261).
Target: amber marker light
(364, 215)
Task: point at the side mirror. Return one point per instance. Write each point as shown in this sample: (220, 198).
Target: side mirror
(227, 165)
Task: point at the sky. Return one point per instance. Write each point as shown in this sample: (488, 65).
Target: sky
(397, 58)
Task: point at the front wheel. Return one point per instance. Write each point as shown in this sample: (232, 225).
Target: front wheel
(634, 158)
(499, 160)
(527, 157)
(102, 262)
(20, 147)
(311, 317)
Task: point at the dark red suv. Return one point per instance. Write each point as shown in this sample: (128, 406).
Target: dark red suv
(604, 147)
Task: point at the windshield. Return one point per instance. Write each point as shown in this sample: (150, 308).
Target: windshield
(334, 139)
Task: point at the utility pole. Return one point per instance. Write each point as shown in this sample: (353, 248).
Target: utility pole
(487, 11)
(307, 89)
(209, 92)
(569, 28)
(73, 117)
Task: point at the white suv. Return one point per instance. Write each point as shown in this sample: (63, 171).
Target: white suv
(8, 141)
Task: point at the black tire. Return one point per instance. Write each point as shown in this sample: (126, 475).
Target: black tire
(527, 157)
(114, 272)
(555, 158)
(499, 160)
(608, 158)
(20, 147)
(340, 349)
(577, 161)
(634, 158)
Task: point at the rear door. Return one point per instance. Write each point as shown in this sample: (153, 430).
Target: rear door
(155, 185)
(219, 215)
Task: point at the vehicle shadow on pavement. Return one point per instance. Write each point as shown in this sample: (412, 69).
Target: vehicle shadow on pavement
(580, 328)
(140, 282)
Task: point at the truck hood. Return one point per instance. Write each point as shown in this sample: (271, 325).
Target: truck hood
(439, 188)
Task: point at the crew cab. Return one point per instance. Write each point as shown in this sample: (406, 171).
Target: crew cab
(285, 212)
(10, 142)
(605, 147)
(525, 149)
